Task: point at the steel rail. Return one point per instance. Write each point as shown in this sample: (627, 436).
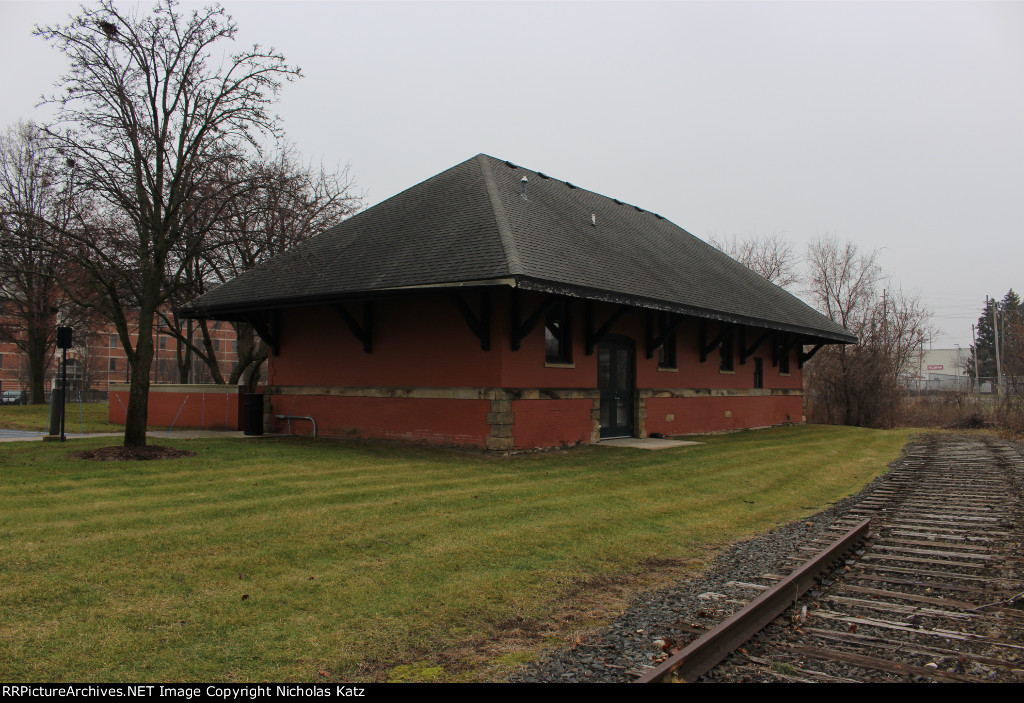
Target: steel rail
(706, 652)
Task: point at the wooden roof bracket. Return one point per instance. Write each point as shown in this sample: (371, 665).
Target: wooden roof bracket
(267, 325)
(655, 342)
(520, 328)
(745, 351)
(806, 356)
(480, 325)
(595, 336)
(363, 332)
(783, 347)
(724, 330)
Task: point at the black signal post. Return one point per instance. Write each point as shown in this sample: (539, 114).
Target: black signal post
(64, 335)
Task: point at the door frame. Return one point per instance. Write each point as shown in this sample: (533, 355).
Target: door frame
(614, 430)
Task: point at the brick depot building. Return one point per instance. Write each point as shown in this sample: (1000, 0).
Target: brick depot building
(496, 307)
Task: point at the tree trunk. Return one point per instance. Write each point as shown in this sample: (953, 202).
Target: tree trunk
(184, 353)
(246, 343)
(211, 354)
(38, 361)
(251, 377)
(138, 394)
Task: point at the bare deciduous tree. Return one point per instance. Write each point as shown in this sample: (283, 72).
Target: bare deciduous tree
(842, 282)
(293, 204)
(148, 116)
(861, 384)
(34, 206)
(769, 256)
(286, 203)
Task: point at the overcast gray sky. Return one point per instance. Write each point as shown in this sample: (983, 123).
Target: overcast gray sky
(894, 125)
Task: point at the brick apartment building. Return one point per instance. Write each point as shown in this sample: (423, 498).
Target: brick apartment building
(98, 360)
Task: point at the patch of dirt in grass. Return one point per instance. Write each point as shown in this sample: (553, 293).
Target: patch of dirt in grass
(502, 646)
(147, 453)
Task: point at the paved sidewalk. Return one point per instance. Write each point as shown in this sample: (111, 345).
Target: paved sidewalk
(28, 436)
(650, 443)
(17, 435)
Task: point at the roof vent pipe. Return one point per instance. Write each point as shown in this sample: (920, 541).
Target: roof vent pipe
(593, 219)
(524, 182)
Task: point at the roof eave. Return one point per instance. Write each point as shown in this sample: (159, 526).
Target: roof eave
(236, 311)
(826, 336)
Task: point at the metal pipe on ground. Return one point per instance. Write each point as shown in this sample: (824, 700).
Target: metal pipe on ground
(299, 417)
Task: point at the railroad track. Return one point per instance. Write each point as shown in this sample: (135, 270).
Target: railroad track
(935, 594)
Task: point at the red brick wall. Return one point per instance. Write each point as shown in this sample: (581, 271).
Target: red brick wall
(421, 342)
(196, 406)
(525, 368)
(671, 416)
(552, 423)
(441, 421)
(692, 373)
(424, 344)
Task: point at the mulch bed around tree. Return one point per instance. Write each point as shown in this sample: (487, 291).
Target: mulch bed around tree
(147, 453)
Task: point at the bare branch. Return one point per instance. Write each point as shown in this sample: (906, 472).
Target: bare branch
(769, 256)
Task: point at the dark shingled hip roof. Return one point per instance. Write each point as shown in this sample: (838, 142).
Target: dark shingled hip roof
(472, 225)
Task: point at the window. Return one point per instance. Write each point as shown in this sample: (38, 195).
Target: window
(558, 334)
(163, 343)
(726, 362)
(667, 351)
(113, 364)
(1, 361)
(113, 341)
(758, 372)
(783, 361)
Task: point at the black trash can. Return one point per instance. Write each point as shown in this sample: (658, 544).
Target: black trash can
(253, 414)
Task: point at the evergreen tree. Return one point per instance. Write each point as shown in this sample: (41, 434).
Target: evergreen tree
(1009, 311)
(1011, 335)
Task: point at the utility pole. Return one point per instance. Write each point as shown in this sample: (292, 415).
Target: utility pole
(974, 348)
(995, 325)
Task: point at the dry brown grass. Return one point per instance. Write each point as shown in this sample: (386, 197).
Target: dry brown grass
(960, 411)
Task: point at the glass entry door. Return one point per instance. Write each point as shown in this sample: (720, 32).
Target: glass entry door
(615, 365)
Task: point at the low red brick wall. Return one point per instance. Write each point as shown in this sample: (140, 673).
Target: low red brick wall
(199, 406)
(552, 423)
(440, 421)
(676, 416)
(452, 421)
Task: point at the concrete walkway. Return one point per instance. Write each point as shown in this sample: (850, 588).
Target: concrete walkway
(27, 436)
(646, 443)
(19, 435)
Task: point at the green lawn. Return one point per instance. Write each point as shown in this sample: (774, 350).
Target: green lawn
(79, 417)
(267, 559)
